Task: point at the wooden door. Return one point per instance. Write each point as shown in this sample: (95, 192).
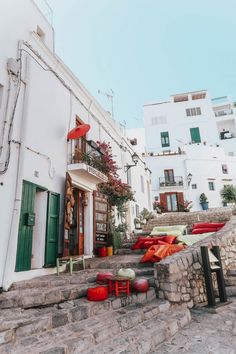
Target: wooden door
(26, 225)
(81, 222)
(52, 230)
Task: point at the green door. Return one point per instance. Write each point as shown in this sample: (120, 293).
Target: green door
(52, 232)
(26, 225)
(195, 135)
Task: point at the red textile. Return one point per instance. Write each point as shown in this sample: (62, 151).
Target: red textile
(157, 252)
(203, 231)
(99, 293)
(102, 278)
(206, 225)
(141, 285)
(146, 242)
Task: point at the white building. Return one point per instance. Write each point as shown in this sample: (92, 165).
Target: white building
(190, 118)
(40, 102)
(190, 143)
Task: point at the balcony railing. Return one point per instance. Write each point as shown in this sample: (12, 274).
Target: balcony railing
(177, 181)
(223, 113)
(89, 153)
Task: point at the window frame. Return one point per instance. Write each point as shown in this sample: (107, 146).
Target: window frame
(213, 185)
(165, 139)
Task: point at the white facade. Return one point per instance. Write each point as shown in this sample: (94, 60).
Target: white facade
(190, 148)
(40, 99)
(196, 170)
(185, 117)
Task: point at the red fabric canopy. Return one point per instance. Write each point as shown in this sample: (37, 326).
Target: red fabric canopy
(79, 131)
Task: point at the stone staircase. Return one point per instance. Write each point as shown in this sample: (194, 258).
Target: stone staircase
(230, 282)
(51, 315)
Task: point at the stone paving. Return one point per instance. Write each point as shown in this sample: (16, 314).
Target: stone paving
(208, 333)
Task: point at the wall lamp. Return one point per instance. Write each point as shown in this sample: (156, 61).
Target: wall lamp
(135, 159)
(189, 178)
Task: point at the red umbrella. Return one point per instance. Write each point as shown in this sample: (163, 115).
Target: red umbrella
(79, 131)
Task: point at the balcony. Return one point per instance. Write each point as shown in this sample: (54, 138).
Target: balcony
(177, 182)
(86, 162)
(223, 113)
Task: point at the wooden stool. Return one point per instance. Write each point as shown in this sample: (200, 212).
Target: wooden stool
(119, 285)
(71, 260)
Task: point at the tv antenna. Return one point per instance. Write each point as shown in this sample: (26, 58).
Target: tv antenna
(109, 96)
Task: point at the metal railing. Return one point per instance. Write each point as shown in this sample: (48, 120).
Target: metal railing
(88, 152)
(177, 181)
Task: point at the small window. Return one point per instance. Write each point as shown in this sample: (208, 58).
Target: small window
(142, 184)
(180, 98)
(193, 111)
(165, 142)
(211, 186)
(194, 186)
(198, 96)
(195, 135)
(225, 169)
(40, 33)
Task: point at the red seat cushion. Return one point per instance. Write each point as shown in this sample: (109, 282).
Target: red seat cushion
(146, 242)
(99, 293)
(141, 285)
(206, 225)
(203, 231)
(102, 278)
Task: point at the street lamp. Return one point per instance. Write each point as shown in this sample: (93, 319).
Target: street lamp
(135, 159)
(189, 178)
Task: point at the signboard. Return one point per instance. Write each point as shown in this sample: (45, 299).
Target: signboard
(100, 216)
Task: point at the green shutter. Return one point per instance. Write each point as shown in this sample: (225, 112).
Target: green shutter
(25, 234)
(52, 232)
(195, 135)
(165, 141)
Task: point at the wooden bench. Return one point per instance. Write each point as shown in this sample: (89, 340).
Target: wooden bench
(71, 260)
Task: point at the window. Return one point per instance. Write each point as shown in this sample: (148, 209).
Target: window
(40, 33)
(142, 184)
(198, 96)
(224, 169)
(194, 186)
(165, 142)
(211, 186)
(158, 120)
(193, 111)
(169, 176)
(195, 135)
(180, 98)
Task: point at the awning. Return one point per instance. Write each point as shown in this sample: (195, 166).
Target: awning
(79, 131)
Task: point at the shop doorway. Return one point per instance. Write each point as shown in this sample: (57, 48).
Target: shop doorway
(76, 233)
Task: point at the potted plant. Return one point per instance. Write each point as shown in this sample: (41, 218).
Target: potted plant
(228, 195)
(137, 223)
(203, 201)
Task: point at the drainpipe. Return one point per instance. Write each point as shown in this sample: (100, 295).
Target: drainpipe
(9, 267)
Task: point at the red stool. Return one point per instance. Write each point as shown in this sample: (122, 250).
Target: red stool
(119, 285)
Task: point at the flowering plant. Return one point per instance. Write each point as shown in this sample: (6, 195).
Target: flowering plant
(186, 206)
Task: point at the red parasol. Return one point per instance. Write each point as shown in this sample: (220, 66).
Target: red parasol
(79, 131)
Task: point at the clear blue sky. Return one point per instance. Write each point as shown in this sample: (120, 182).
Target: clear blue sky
(146, 50)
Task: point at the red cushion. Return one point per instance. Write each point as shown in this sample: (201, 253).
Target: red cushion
(141, 285)
(206, 225)
(99, 293)
(102, 278)
(203, 231)
(146, 242)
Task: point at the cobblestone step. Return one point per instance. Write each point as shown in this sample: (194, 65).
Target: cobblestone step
(117, 262)
(232, 272)
(125, 251)
(18, 323)
(133, 326)
(230, 281)
(231, 291)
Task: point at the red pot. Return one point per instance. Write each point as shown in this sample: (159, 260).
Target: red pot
(102, 252)
(100, 293)
(102, 278)
(141, 285)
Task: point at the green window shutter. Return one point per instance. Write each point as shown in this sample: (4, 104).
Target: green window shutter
(52, 232)
(25, 233)
(165, 141)
(195, 135)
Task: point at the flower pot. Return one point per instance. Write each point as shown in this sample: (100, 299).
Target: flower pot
(102, 252)
(109, 251)
(204, 205)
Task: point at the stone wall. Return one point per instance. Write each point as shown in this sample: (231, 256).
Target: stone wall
(179, 278)
(181, 218)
